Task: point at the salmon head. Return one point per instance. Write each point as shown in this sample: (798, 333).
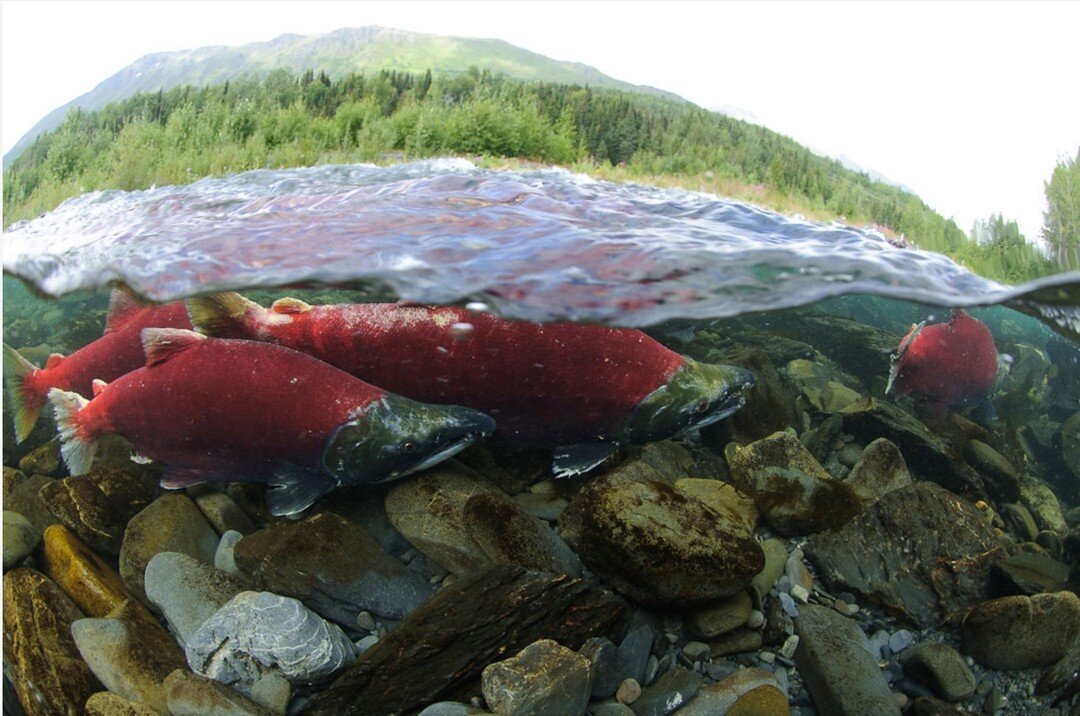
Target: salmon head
(696, 395)
(393, 437)
(898, 361)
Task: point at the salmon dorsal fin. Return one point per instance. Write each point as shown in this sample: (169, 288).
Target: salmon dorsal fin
(122, 306)
(97, 385)
(53, 360)
(161, 344)
(219, 314)
(289, 305)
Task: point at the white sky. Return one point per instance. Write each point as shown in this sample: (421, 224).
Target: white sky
(970, 104)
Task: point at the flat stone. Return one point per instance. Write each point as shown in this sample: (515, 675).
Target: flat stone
(106, 703)
(662, 547)
(39, 653)
(225, 555)
(129, 652)
(1043, 505)
(98, 505)
(187, 591)
(438, 651)
(749, 691)
(1020, 521)
(259, 632)
(223, 513)
(713, 620)
(171, 523)
(188, 694)
(670, 691)
(940, 667)
(509, 535)
(333, 566)
(840, 675)
(93, 585)
(543, 678)
(634, 652)
(272, 691)
(920, 551)
(880, 469)
(20, 539)
(1032, 573)
(736, 642)
(739, 513)
(775, 563)
(1022, 632)
(797, 572)
(603, 664)
(429, 511)
(26, 500)
(44, 460)
(995, 470)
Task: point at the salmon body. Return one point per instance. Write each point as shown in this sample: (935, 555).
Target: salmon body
(118, 351)
(945, 364)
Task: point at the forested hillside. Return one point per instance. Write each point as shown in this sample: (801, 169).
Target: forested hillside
(184, 133)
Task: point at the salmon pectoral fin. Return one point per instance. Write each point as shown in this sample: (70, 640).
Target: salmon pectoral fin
(177, 477)
(580, 458)
(293, 489)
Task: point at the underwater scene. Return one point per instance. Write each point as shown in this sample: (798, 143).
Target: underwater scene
(436, 439)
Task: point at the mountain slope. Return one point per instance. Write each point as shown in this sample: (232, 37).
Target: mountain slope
(363, 49)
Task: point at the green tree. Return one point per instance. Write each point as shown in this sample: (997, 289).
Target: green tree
(1061, 228)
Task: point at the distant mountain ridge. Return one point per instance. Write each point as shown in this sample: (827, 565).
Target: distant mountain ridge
(363, 49)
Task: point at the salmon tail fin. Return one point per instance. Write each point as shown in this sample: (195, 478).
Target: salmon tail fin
(76, 447)
(220, 315)
(26, 407)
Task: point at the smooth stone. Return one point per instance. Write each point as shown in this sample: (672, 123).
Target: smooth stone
(696, 650)
(106, 703)
(1043, 505)
(20, 538)
(755, 620)
(738, 510)
(603, 658)
(1022, 632)
(225, 555)
(365, 621)
(171, 523)
(258, 632)
(187, 591)
(634, 652)
(333, 566)
(671, 690)
(797, 572)
(747, 692)
(224, 514)
(1061, 673)
(438, 651)
(97, 506)
(39, 653)
(628, 692)
(1020, 521)
(26, 500)
(940, 667)
(876, 642)
(129, 652)
(453, 708)
(879, 470)
(736, 642)
(892, 554)
(93, 585)
(716, 619)
(272, 691)
(770, 405)
(429, 511)
(840, 675)
(543, 500)
(661, 547)
(992, 466)
(814, 382)
(788, 604)
(44, 460)
(611, 708)
(900, 640)
(509, 535)
(188, 694)
(1032, 573)
(543, 678)
(775, 563)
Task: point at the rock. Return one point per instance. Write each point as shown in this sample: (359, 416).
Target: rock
(1061, 674)
(840, 675)
(430, 511)
(940, 667)
(438, 651)
(628, 692)
(97, 506)
(12, 479)
(1019, 521)
(879, 470)
(1031, 573)
(509, 535)
(20, 539)
(129, 652)
(272, 691)
(814, 383)
(797, 573)
(920, 551)
(333, 566)
(737, 510)
(769, 404)
(187, 591)
(670, 691)
(508, 468)
(715, 619)
(603, 658)
(746, 692)
(225, 556)
(1022, 632)
(106, 703)
(543, 678)
(370, 512)
(44, 460)
(188, 694)
(26, 500)
(796, 495)
(171, 523)
(93, 585)
(259, 632)
(223, 514)
(634, 651)
(660, 546)
(998, 473)
(736, 642)
(775, 563)
(39, 653)
(452, 708)
(543, 500)
(1070, 443)
(1043, 505)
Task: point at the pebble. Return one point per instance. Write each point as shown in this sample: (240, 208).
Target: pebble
(800, 592)
(767, 656)
(756, 619)
(790, 645)
(224, 557)
(187, 591)
(628, 692)
(272, 691)
(366, 643)
(789, 605)
(652, 667)
(900, 641)
(20, 538)
(696, 650)
(365, 621)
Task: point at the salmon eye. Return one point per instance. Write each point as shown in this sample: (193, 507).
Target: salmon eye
(408, 447)
(701, 406)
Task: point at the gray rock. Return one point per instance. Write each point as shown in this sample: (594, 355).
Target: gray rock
(634, 652)
(1020, 521)
(670, 691)
(1031, 572)
(940, 667)
(611, 708)
(451, 708)
(333, 566)
(272, 691)
(797, 572)
(543, 500)
(508, 534)
(716, 619)
(1022, 632)
(891, 554)
(747, 691)
(225, 557)
(171, 523)
(900, 640)
(993, 467)
(879, 470)
(543, 678)
(739, 641)
(44, 460)
(223, 513)
(840, 675)
(187, 591)
(256, 632)
(371, 513)
(188, 694)
(789, 605)
(1043, 505)
(20, 538)
(603, 658)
